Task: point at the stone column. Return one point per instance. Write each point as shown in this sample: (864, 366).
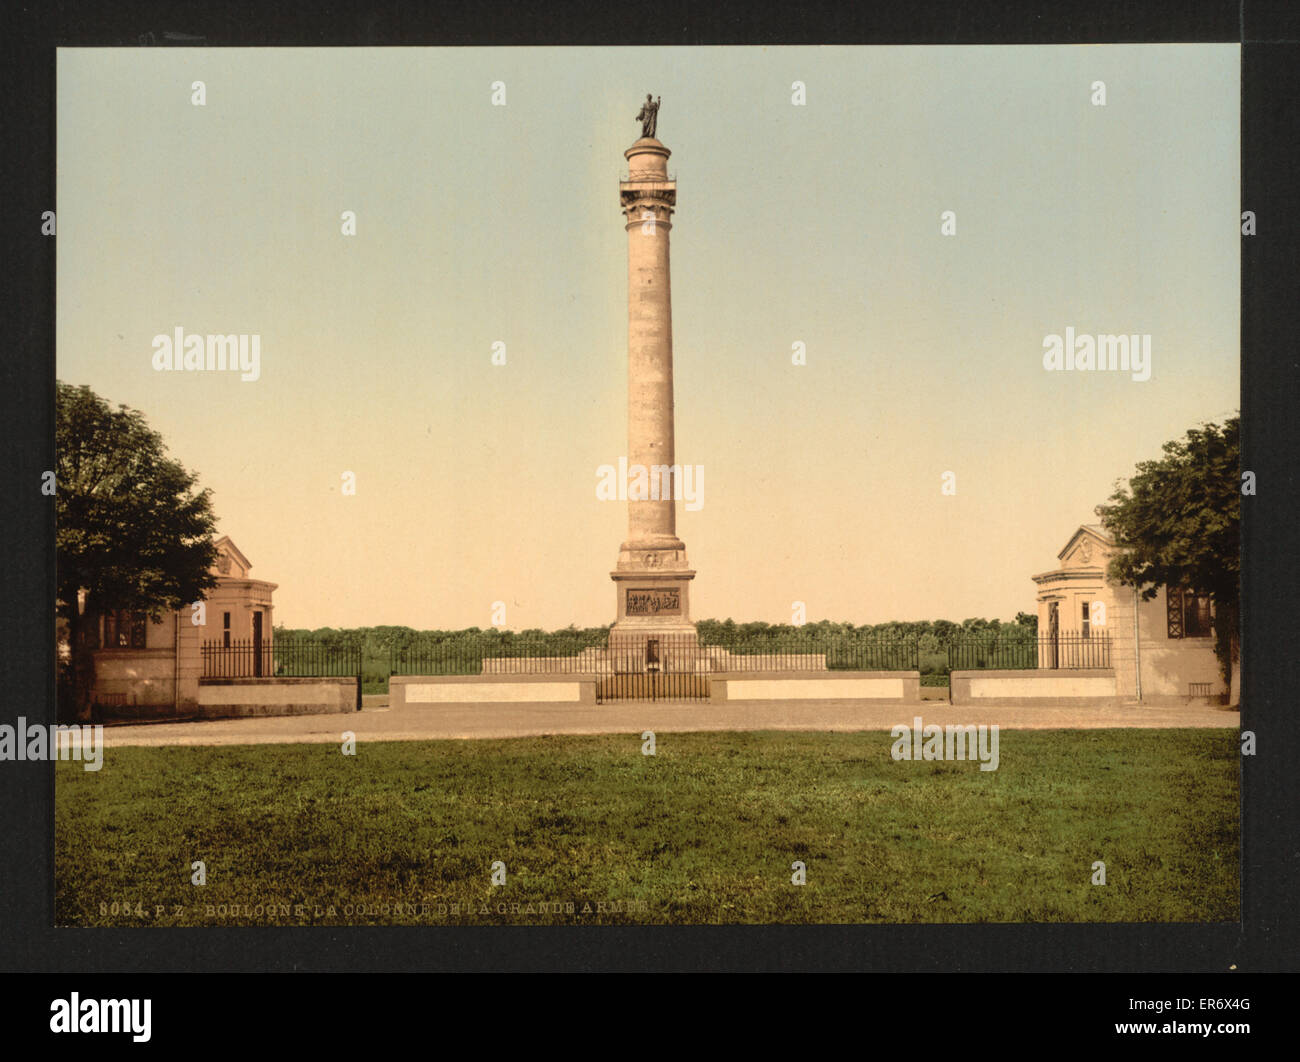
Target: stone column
(652, 577)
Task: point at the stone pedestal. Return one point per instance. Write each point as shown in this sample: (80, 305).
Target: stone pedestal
(650, 601)
(652, 578)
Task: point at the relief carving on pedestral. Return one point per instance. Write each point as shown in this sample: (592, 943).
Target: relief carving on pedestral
(654, 601)
(1085, 551)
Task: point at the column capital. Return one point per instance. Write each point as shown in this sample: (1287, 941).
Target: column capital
(648, 186)
(659, 196)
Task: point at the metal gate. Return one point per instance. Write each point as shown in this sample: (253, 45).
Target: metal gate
(652, 686)
(654, 669)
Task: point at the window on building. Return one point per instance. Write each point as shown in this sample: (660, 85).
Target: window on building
(124, 630)
(225, 629)
(1085, 621)
(1189, 614)
(1197, 622)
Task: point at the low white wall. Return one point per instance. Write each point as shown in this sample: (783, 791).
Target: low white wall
(467, 693)
(817, 686)
(813, 689)
(267, 694)
(1047, 687)
(427, 690)
(276, 696)
(1036, 687)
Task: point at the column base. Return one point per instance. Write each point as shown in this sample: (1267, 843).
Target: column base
(654, 632)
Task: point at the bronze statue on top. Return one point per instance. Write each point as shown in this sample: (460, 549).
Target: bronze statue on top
(649, 116)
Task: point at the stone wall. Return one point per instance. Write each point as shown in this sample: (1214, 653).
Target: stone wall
(224, 698)
(1084, 687)
(134, 678)
(903, 687)
(420, 691)
(1169, 665)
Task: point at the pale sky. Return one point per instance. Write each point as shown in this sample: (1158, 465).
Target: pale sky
(817, 224)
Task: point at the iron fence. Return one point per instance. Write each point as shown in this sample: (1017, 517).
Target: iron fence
(606, 654)
(785, 652)
(283, 658)
(517, 656)
(665, 653)
(1066, 651)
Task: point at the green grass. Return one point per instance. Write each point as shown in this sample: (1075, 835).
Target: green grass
(703, 832)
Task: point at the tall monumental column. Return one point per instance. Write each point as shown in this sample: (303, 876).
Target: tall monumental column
(653, 577)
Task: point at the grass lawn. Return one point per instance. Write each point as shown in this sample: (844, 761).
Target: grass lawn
(703, 832)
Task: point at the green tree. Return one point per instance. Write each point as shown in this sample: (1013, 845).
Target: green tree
(1178, 524)
(946, 630)
(130, 530)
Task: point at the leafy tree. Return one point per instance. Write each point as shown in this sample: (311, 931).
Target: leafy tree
(946, 630)
(130, 530)
(1178, 524)
(1027, 619)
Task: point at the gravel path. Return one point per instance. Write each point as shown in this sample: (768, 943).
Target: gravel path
(531, 720)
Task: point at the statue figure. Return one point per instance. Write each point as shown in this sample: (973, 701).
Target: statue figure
(649, 116)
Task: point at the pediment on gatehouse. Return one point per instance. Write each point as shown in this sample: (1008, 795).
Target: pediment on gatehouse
(1089, 547)
(230, 562)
